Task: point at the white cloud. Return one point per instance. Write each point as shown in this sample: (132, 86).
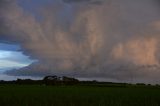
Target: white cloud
(13, 60)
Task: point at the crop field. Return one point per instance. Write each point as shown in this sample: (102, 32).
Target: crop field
(37, 95)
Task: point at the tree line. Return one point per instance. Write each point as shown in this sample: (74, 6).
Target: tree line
(62, 81)
(47, 80)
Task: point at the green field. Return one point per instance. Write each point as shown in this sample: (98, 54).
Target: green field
(36, 95)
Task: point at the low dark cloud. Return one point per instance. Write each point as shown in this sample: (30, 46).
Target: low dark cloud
(72, 1)
(96, 2)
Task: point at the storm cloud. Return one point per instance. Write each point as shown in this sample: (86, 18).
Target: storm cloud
(97, 2)
(116, 40)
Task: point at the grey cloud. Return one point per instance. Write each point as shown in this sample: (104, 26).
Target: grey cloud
(96, 2)
(113, 40)
(70, 1)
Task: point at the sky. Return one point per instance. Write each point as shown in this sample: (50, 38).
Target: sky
(11, 58)
(109, 40)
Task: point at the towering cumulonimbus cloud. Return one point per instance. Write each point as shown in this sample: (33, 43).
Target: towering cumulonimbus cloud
(108, 39)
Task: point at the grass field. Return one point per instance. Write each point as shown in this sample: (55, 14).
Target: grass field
(36, 95)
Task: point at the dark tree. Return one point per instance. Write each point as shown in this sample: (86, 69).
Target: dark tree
(69, 81)
(52, 80)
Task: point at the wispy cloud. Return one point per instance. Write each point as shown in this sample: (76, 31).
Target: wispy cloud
(117, 39)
